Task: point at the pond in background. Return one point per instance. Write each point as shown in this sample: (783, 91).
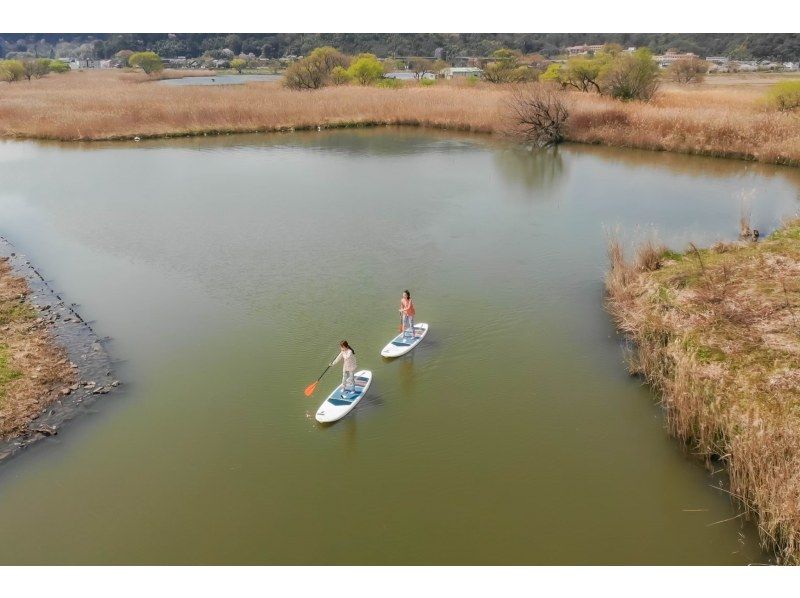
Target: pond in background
(227, 269)
(219, 80)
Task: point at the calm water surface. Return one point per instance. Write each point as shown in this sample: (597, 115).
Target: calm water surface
(218, 80)
(226, 270)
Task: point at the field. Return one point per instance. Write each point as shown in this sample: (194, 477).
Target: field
(722, 117)
(716, 332)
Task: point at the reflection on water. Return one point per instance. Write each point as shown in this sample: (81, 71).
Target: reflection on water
(684, 164)
(537, 169)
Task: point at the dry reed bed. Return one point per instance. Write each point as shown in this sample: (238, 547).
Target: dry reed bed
(32, 368)
(717, 333)
(116, 105)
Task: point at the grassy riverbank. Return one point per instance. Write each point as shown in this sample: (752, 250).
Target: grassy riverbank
(728, 121)
(717, 333)
(33, 370)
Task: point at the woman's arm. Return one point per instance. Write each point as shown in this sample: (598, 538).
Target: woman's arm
(337, 360)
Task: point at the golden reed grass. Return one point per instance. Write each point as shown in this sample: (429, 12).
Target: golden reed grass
(101, 105)
(717, 333)
(33, 369)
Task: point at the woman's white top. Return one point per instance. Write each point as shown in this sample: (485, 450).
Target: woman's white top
(349, 358)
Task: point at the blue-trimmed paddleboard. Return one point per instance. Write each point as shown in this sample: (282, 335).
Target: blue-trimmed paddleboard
(336, 406)
(403, 343)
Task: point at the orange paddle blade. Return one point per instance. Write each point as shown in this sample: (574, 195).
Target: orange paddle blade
(311, 388)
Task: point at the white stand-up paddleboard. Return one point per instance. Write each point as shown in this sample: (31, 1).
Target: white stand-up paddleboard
(403, 342)
(337, 405)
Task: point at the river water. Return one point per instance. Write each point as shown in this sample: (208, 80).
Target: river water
(226, 269)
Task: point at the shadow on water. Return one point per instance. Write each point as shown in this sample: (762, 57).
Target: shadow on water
(407, 374)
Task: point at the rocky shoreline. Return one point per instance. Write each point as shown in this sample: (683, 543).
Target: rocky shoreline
(91, 364)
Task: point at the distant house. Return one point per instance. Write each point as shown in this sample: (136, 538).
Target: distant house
(76, 64)
(461, 72)
(667, 58)
(584, 49)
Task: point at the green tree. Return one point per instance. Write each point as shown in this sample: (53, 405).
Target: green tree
(555, 73)
(11, 70)
(149, 62)
(238, 64)
(340, 76)
(506, 68)
(584, 73)
(327, 57)
(366, 69)
(631, 76)
(59, 66)
(313, 71)
(35, 69)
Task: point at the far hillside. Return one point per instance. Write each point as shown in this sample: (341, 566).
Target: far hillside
(737, 46)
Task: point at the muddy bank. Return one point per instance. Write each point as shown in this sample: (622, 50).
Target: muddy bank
(77, 367)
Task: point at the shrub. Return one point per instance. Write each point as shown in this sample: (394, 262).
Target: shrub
(539, 114)
(505, 68)
(124, 56)
(785, 95)
(35, 69)
(238, 64)
(149, 62)
(366, 69)
(554, 74)
(427, 82)
(340, 76)
(631, 76)
(314, 71)
(389, 83)
(59, 66)
(688, 70)
(11, 70)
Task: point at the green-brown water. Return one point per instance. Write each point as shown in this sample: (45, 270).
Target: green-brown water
(227, 269)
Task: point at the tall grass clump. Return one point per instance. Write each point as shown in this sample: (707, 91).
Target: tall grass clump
(715, 333)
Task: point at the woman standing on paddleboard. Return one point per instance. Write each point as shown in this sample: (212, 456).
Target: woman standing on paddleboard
(407, 313)
(348, 357)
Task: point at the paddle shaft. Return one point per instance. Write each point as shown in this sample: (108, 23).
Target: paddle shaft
(324, 372)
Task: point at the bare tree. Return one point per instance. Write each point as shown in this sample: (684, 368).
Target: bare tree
(538, 114)
(688, 70)
(421, 67)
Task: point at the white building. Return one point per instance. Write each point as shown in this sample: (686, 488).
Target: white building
(667, 58)
(462, 72)
(584, 49)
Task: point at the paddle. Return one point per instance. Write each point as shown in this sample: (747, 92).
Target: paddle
(313, 386)
(400, 329)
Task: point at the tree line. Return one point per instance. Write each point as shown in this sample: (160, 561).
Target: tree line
(737, 46)
(17, 70)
